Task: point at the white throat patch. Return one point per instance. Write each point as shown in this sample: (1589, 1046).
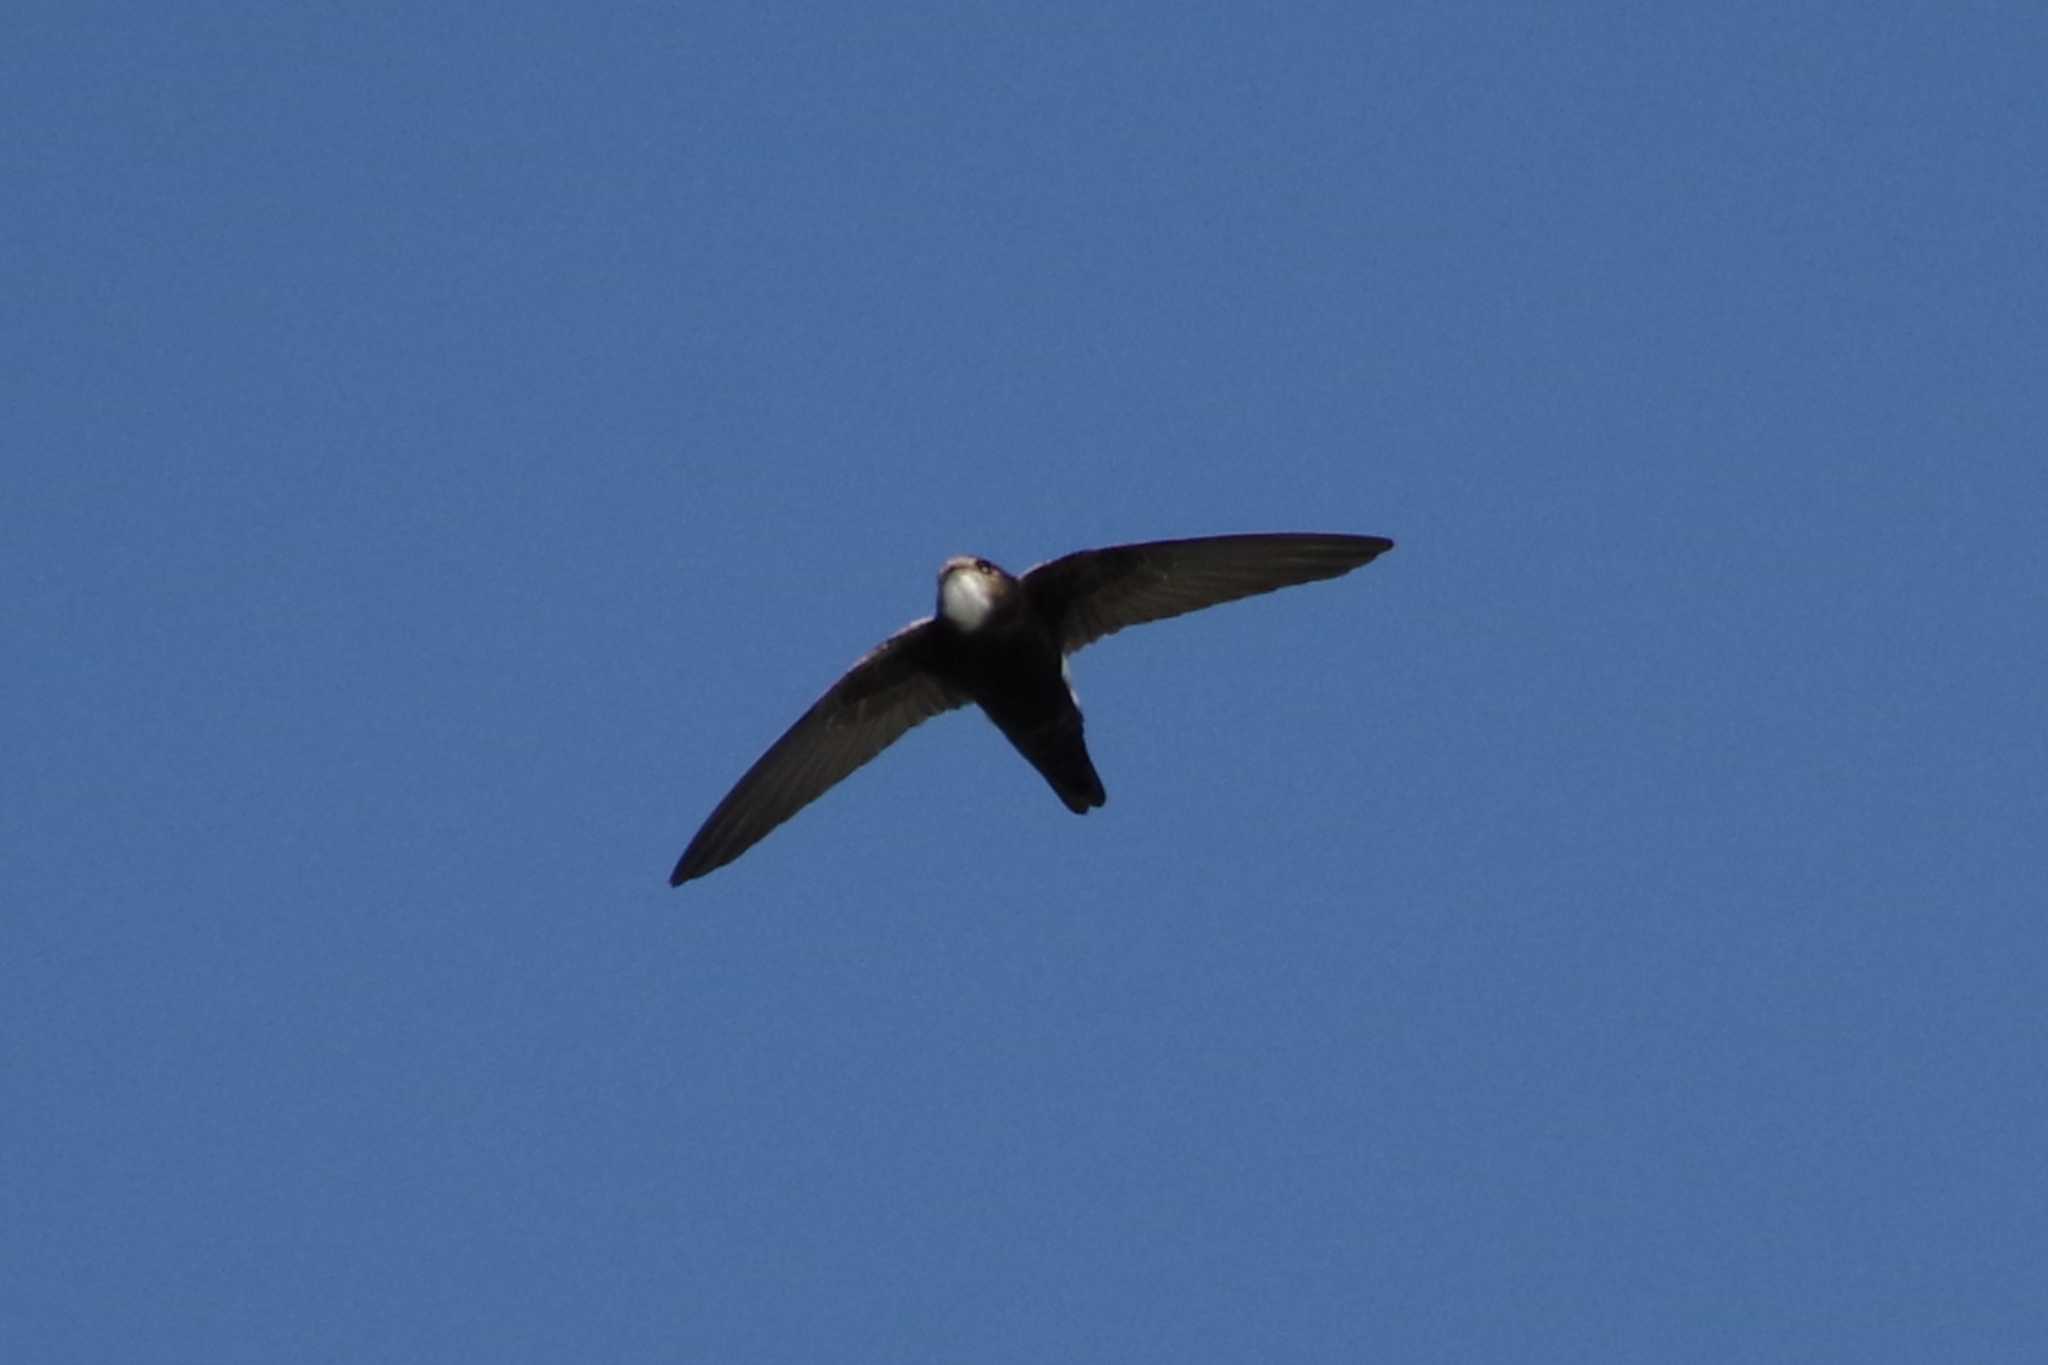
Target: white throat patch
(965, 599)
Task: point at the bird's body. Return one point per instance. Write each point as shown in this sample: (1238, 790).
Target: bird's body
(1001, 642)
(993, 648)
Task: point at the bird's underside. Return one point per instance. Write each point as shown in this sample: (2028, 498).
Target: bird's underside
(1001, 643)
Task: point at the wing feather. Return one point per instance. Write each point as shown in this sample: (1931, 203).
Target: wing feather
(1094, 593)
(881, 697)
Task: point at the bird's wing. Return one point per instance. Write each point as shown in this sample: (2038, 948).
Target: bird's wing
(1093, 593)
(866, 711)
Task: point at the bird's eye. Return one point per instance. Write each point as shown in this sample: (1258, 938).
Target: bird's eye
(983, 565)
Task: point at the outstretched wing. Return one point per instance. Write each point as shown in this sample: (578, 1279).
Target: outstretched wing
(1093, 593)
(866, 711)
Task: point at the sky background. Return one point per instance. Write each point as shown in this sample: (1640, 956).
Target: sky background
(444, 445)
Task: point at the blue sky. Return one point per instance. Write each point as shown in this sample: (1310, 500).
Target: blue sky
(445, 445)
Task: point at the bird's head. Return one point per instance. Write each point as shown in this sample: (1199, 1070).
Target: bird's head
(971, 590)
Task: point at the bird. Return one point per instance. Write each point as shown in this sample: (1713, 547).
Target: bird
(1001, 641)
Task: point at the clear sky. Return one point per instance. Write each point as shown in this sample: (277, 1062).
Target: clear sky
(443, 445)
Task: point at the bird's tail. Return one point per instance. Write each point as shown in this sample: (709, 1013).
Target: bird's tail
(1055, 747)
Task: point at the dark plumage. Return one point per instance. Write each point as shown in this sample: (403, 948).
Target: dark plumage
(1001, 643)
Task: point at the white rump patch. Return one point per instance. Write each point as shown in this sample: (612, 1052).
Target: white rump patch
(965, 599)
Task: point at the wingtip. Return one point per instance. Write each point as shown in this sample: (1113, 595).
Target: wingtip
(1363, 550)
